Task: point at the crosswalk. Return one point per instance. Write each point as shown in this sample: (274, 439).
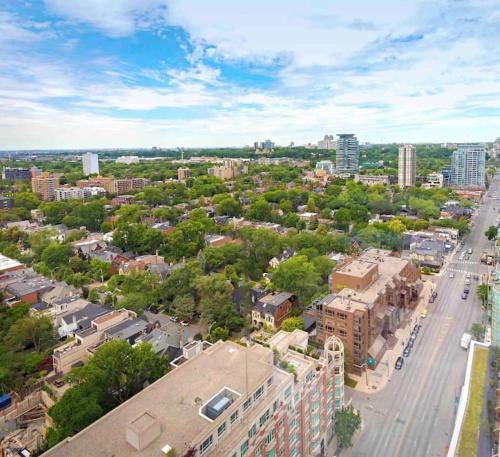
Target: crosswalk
(458, 270)
(465, 262)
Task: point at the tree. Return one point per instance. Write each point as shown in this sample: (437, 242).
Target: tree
(93, 296)
(343, 218)
(297, 276)
(347, 422)
(292, 323)
(259, 210)
(229, 207)
(184, 307)
(56, 254)
(477, 331)
(218, 333)
(491, 233)
(36, 331)
(28, 200)
(483, 291)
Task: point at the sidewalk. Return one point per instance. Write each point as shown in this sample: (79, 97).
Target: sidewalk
(375, 380)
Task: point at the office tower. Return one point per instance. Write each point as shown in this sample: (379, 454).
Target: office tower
(90, 163)
(347, 153)
(45, 185)
(182, 174)
(225, 400)
(407, 165)
(468, 164)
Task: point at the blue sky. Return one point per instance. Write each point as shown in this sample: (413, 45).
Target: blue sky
(143, 73)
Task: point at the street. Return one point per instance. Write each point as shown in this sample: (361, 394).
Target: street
(414, 414)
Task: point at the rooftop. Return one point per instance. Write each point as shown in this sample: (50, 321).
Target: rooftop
(175, 400)
(6, 263)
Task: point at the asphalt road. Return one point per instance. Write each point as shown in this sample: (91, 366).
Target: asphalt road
(414, 415)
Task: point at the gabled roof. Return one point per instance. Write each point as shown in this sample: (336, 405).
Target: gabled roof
(271, 302)
(84, 316)
(127, 329)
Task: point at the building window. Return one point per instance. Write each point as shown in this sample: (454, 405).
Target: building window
(234, 416)
(275, 405)
(206, 444)
(247, 404)
(288, 391)
(264, 418)
(269, 381)
(270, 437)
(244, 448)
(258, 393)
(252, 431)
(221, 429)
(341, 316)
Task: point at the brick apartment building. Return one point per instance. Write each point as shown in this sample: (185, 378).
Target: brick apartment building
(227, 401)
(45, 185)
(371, 296)
(112, 185)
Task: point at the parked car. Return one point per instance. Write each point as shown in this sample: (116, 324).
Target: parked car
(452, 275)
(434, 295)
(407, 351)
(174, 319)
(417, 328)
(399, 363)
(423, 314)
(59, 383)
(184, 323)
(153, 309)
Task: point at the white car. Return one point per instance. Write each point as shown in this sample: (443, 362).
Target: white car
(184, 323)
(452, 275)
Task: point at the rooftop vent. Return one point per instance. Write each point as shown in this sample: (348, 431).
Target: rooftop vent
(219, 403)
(143, 430)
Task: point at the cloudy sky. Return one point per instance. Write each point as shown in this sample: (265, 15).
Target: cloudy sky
(119, 73)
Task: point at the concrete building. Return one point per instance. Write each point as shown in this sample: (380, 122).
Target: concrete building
(69, 193)
(371, 180)
(328, 143)
(112, 185)
(434, 181)
(347, 159)
(407, 165)
(16, 174)
(371, 296)
(6, 202)
(183, 174)
(226, 400)
(229, 169)
(468, 164)
(90, 162)
(45, 185)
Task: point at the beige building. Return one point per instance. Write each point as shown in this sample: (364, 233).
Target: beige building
(371, 180)
(371, 296)
(230, 169)
(226, 401)
(407, 165)
(44, 185)
(183, 174)
(434, 181)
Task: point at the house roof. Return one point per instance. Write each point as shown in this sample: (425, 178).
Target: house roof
(161, 341)
(127, 329)
(271, 302)
(85, 316)
(24, 287)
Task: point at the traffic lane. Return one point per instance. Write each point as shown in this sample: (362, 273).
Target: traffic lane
(393, 401)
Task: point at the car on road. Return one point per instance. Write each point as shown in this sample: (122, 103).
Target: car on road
(407, 351)
(467, 282)
(469, 251)
(464, 296)
(466, 290)
(452, 275)
(423, 313)
(399, 363)
(417, 328)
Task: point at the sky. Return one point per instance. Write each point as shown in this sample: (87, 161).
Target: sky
(198, 73)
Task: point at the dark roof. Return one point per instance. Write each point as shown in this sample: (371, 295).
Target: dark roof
(40, 306)
(85, 316)
(271, 302)
(127, 329)
(38, 284)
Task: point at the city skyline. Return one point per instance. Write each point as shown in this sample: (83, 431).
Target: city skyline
(160, 73)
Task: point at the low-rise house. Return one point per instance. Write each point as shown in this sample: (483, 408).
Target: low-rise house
(8, 265)
(164, 270)
(58, 308)
(122, 200)
(428, 253)
(77, 352)
(140, 263)
(88, 246)
(79, 320)
(28, 290)
(163, 343)
(128, 330)
(287, 254)
(272, 309)
(217, 241)
(59, 291)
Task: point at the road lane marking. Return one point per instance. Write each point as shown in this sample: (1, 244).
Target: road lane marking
(442, 333)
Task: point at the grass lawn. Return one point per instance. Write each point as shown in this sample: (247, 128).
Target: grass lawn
(469, 435)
